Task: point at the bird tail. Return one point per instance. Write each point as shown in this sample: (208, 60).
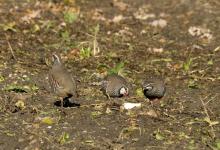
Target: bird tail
(70, 102)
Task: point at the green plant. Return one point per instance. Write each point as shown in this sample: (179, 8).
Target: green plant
(210, 62)
(92, 43)
(64, 138)
(187, 64)
(218, 144)
(117, 69)
(1, 78)
(21, 88)
(11, 26)
(96, 114)
(85, 52)
(65, 36)
(193, 84)
(70, 17)
(16, 88)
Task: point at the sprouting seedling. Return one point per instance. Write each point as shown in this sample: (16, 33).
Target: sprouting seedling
(117, 69)
(65, 36)
(187, 64)
(64, 138)
(85, 52)
(70, 16)
(92, 43)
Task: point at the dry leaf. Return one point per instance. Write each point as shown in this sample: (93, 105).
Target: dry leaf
(120, 5)
(31, 14)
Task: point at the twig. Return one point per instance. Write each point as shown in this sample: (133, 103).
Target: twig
(45, 138)
(207, 114)
(158, 147)
(9, 45)
(96, 49)
(210, 99)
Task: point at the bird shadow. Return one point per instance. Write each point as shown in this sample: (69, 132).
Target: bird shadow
(66, 103)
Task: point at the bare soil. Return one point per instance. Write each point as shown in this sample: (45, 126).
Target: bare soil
(177, 40)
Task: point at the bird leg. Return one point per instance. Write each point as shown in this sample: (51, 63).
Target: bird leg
(62, 107)
(109, 98)
(107, 95)
(61, 103)
(110, 102)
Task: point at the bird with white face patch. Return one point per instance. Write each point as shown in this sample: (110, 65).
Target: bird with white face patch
(114, 86)
(153, 88)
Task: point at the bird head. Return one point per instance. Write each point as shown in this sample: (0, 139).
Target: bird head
(56, 59)
(147, 87)
(123, 91)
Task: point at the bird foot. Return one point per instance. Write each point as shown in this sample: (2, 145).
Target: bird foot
(62, 111)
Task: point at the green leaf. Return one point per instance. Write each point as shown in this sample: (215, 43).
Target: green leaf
(9, 26)
(193, 85)
(20, 104)
(9, 133)
(2, 78)
(35, 28)
(187, 64)
(117, 68)
(159, 136)
(34, 88)
(210, 62)
(65, 36)
(64, 138)
(139, 92)
(70, 16)
(47, 120)
(16, 88)
(218, 144)
(85, 53)
(96, 114)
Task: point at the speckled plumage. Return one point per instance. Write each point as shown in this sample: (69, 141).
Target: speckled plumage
(112, 84)
(153, 88)
(60, 80)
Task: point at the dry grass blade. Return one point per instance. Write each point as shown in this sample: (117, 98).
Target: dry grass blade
(9, 45)
(207, 114)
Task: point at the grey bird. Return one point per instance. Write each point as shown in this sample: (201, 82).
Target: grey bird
(114, 86)
(153, 88)
(61, 82)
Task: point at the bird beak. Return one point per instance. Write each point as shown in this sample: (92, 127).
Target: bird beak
(126, 94)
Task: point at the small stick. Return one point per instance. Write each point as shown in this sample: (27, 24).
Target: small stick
(210, 99)
(207, 114)
(9, 45)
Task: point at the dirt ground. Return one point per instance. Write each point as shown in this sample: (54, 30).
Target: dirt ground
(175, 39)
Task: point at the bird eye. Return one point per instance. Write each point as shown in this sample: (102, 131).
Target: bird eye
(148, 88)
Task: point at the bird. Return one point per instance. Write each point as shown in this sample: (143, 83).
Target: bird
(153, 88)
(114, 85)
(61, 82)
